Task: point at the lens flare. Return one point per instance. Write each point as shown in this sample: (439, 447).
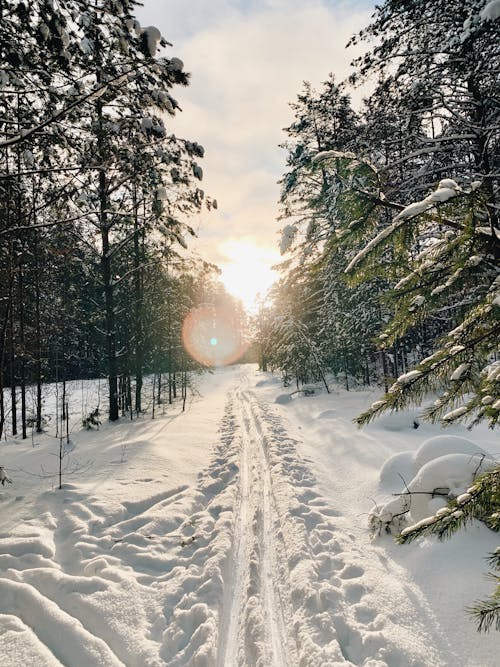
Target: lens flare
(212, 336)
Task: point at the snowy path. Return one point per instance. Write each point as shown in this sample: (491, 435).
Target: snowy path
(256, 610)
(202, 540)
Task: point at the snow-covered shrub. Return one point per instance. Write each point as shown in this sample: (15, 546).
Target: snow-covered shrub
(441, 445)
(443, 479)
(397, 470)
(390, 517)
(442, 469)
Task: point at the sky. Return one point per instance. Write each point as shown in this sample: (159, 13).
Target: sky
(248, 60)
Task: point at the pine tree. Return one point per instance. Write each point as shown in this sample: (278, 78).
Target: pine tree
(480, 502)
(107, 184)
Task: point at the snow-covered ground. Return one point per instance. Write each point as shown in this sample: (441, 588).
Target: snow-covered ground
(232, 534)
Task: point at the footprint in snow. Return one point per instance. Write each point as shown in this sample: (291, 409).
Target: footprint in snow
(351, 572)
(354, 592)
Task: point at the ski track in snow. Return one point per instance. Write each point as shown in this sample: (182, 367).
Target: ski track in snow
(256, 611)
(248, 569)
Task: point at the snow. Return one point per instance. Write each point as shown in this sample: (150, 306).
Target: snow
(176, 64)
(235, 534)
(406, 378)
(454, 414)
(442, 445)
(348, 465)
(397, 222)
(326, 155)
(396, 469)
(460, 371)
(417, 301)
(453, 473)
(474, 260)
(447, 188)
(287, 237)
(441, 195)
(443, 467)
(414, 209)
(146, 124)
(491, 11)
(152, 37)
(448, 184)
(463, 498)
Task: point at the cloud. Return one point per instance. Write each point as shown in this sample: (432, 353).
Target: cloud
(249, 59)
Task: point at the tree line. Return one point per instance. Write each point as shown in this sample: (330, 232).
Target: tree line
(390, 223)
(96, 196)
(391, 238)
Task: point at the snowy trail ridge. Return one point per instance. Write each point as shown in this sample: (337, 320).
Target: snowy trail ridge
(288, 585)
(257, 609)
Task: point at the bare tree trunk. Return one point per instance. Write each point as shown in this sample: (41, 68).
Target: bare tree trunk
(3, 332)
(138, 296)
(106, 268)
(38, 351)
(383, 359)
(12, 355)
(23, 353)
(154, 391)
(395, 364)
(109, 304)
(184, 389)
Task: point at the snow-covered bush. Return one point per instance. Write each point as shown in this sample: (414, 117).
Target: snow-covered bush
(442, 469)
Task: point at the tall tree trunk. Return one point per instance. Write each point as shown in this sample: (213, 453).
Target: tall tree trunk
(160, 387)
(12, 352)
(108, 305)
(106, 268)
(383, 359)
(38, 349)
(138, 297)
(22, 376)
(395, 364)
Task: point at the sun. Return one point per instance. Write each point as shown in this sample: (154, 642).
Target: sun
(247, 272)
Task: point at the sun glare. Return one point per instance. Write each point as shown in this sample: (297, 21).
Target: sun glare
(248, 272)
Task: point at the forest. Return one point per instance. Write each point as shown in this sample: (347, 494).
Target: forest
(390, 236)
(390, 232)
(96, 201)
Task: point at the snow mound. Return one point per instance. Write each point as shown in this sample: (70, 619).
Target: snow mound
(267, 382)
(327, 414)
(441, 479)
(399, 421)
(283, 399)
(441, 469)
(442, 445)
(397, 468)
